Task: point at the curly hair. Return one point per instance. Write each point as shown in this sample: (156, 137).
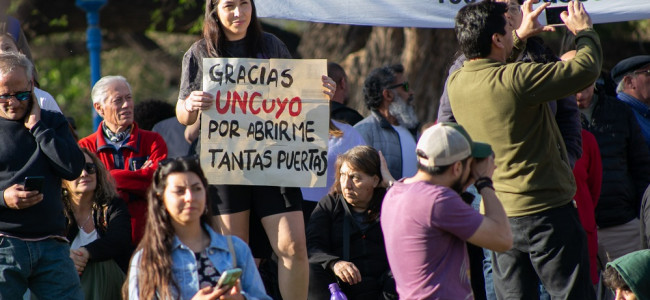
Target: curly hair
(104, 193)
(375, 84)
(215, 37)
(366, 160)
(155, 278)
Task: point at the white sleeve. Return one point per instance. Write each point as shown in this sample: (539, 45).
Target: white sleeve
(46, 101)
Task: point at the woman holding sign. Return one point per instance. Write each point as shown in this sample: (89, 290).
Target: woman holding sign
(231, 29)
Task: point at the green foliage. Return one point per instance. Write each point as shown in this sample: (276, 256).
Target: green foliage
(61, 21)
(178, 9)
(68, 80)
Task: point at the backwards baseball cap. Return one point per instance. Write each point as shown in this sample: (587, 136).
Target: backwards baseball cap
(446, 143)
(629, 65)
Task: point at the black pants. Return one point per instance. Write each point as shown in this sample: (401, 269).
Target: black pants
(551, 246)
(370, 288)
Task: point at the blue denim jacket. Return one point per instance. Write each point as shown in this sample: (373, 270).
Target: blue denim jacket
(184, 267)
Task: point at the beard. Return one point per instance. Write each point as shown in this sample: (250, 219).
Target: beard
(403, 111)
(458, 186)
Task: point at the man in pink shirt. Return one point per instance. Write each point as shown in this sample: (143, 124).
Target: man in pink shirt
(426, 223)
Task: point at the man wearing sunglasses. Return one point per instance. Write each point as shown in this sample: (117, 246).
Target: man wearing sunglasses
(33, 248)
(633, 78)
(392, 124)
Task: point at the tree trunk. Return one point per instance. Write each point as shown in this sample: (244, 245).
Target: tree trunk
(425, 53)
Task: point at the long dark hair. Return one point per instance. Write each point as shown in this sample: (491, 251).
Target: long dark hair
(155, 278)
(104, 192)
(215, 37)
(366, 160)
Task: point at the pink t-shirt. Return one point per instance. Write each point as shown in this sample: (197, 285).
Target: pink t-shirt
(425, 227)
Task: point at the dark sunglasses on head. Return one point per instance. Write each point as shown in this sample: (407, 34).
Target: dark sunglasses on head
(404, 84)
(90, 168)
(20, 96)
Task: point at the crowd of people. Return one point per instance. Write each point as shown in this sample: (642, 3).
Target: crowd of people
(532, 159)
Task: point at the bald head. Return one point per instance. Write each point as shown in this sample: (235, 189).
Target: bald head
(583, 98)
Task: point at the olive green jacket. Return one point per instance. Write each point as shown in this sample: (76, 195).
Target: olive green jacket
(505, 105)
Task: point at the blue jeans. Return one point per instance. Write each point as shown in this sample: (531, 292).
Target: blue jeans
(44, 267)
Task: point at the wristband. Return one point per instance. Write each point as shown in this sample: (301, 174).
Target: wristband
(483, 182)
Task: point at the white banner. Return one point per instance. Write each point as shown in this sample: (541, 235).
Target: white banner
(423, 13)
(269, 124)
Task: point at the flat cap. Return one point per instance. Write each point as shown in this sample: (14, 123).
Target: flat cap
(629, 65)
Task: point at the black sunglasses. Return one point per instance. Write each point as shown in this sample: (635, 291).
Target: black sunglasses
(90, 168)
(20, 96)
(404, 84)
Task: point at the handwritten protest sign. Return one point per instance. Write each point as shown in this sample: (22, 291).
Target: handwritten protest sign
(269, 125)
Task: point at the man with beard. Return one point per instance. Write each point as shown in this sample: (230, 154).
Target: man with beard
(426, 223)
(533, 178)
(392, 124)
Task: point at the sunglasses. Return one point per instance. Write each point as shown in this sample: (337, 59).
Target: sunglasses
(404, 84)
(90, 168)
(20, 96)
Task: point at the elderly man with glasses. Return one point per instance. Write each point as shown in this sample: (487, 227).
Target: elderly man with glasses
(633, 78)
(392, 124)
(38, 144)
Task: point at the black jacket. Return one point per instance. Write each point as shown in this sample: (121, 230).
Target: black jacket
(626, 161)
(325, 238)
(113, 225)
(341, 112)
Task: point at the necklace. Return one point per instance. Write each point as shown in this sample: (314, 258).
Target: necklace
(85, 222)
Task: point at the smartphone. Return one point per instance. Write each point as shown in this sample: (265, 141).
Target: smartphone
(553, 15)
(34, 183)
(229, 278)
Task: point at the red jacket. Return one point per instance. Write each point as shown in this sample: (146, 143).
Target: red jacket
(132, 181)
(588, 172)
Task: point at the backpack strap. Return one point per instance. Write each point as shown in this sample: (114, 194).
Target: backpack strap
(231, 248)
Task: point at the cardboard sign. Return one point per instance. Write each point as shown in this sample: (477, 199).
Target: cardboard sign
(269, 124)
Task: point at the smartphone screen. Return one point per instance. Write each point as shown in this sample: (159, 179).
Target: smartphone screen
(34, 183)
(553, 15)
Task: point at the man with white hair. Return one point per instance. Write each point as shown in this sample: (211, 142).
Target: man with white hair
(392, 124)
(129, 153)
(633, 78)
(34, 253)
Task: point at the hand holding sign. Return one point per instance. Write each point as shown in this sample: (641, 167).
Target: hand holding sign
(269, 124)
(198, 100)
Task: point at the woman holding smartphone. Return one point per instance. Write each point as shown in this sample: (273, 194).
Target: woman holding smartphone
(231, 29)
(180, 256)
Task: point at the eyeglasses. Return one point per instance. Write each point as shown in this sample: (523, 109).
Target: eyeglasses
(404, 84)
(90, 168)
(644, 72)
(20, 96)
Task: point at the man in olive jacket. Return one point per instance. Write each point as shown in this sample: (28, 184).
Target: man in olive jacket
(505, 105)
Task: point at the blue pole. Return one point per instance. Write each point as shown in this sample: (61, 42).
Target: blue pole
(93, 44)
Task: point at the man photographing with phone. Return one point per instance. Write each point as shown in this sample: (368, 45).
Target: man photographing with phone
(533, 179)
(33, 251)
